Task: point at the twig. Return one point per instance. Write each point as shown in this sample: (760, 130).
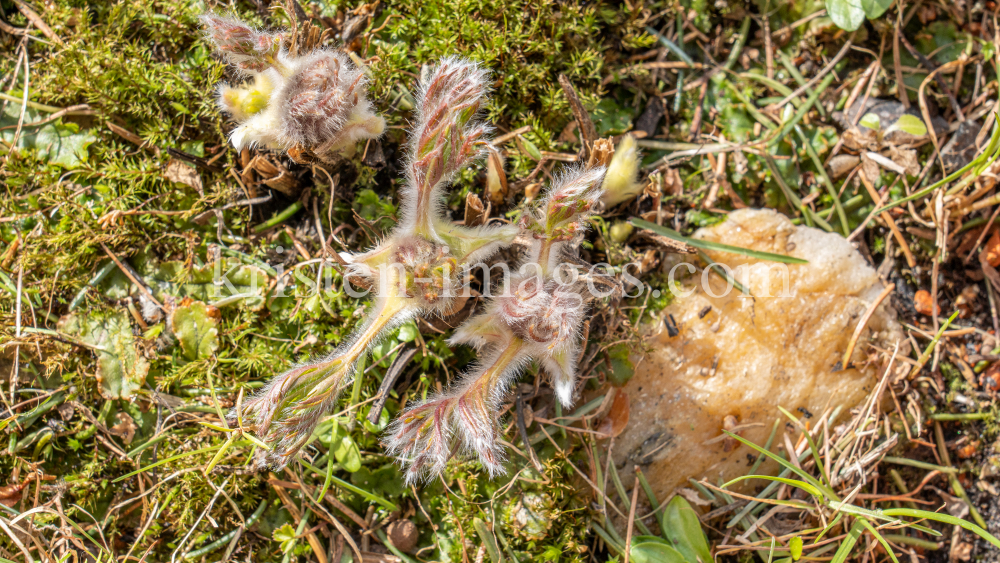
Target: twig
(631, 519)
(523, 431)
(910, 260)
(795, 93)
(34, 18)
(933, 69)
(863, 322)
(391, 375)
(587, 130)
(130, 273)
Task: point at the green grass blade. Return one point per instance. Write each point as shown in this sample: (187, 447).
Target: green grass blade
(354, 489)
(716, 246)
(944, 518)
(722, 273)
(880, 539)
(812, 446)
(980, 163)
(623, 494)
(611, 542)
(831, 190)
(222, 451)
(790, 482)
(168, 460)
(829, 494)
(833, 524)
(849, 542)
(658, 513)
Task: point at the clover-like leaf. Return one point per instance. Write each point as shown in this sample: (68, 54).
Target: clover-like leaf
(55, 142)
(121, 368)
(847, 14)
(871, 121)
(910, 124)
(611, 118)
(385, 480)
(195, 325)
(346, 452)
(285, 535)
(236, 283)
(875, 8)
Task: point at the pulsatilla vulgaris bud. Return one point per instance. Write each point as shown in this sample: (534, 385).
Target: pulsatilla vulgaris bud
(246, 48)
(324, 104)
(317, 101)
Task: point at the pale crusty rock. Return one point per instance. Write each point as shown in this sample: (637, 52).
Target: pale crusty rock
(745, 357)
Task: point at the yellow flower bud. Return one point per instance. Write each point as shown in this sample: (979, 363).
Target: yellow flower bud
(620, 182)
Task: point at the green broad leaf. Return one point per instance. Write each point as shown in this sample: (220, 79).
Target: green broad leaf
(875, 8)
(347, 453)
(716, 246)
(121, 367)
(622, 368)
(285, 535)
(195, 325)
(383, 421)
(795, 546)
(910, 124)
(871, 121)
(239, 283)
(655, 552)
(846, 14)
(611, 118)
(408, 332)
(488, 539)
(684, 530)
(646, 539)
(55, 142)
(529, 148)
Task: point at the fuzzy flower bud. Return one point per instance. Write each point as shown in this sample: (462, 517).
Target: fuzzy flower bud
(243, 46)
(287, 410)
(620, 182)
(446, 137)
(245, 101)
(562, 214)
(324, 104)
(317, 101)
(428, 434)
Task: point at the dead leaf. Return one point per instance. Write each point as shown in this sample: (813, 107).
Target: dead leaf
(182, 173)
(693, 497)
(10, 494)
(906, 159)
(125, 429)
(475, 212)
(841, 164)
(616, 420)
